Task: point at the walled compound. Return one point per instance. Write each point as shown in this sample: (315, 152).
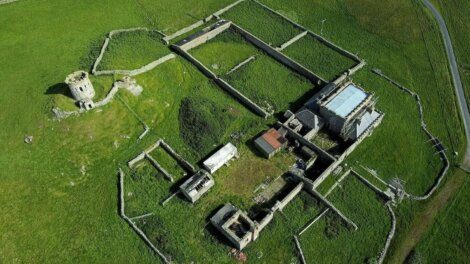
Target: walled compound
(341, 108)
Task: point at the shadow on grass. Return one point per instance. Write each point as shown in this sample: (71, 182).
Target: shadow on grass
(59, 88)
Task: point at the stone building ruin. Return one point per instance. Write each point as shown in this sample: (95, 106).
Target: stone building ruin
(82, 89)
(197, 185)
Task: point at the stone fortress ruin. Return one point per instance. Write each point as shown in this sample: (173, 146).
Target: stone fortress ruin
(82, 89)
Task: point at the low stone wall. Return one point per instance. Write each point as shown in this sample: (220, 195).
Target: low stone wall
(288, 62)
(134, 72)
(209, 74)
(436, 142)
(242, 98)
(369, 184)
(142, 155)
(227, 8)
(292, 41)
(159, 168)
(390, 235)
(183, 31)
(203, 38)
(241, 64)
(286, 200)
(132, 224)
(3, 2)
(199, 23)
(332, 207)
(184, 163)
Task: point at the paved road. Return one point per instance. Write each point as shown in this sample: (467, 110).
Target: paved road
(456, 78)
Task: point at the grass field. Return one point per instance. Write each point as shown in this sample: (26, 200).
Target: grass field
(264, 80)
(262, 23)
(170, 16)
(224, 52)
(59, 193)
(270, 84)
(319, 58)
(455, 13)
(333, 241)
(133, 50)
(446, 241)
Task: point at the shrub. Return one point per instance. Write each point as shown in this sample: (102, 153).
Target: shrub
(201, 123)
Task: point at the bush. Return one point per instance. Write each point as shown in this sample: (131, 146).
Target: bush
(201, 124)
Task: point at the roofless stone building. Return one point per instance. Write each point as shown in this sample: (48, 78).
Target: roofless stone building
(82, 89)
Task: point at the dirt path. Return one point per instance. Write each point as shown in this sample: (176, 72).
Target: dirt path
(425, 219)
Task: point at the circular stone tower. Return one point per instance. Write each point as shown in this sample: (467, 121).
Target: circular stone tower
(81, 89)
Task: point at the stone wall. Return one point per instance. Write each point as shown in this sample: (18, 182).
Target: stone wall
(435, 141)
(288, 62)
(132, 224)
(209, 74)
(2, 2)
(332, 207)
(199, 23)
(242, 98)
(211, 33)
(288, 198)
(241, 64)
(292, 41)
(133, 72)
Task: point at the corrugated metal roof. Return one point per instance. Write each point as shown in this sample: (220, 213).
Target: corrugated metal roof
(347, 100)
(219, 158)
(272, 137)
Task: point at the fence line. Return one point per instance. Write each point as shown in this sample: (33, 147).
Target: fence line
(436, 142)
(132, 224)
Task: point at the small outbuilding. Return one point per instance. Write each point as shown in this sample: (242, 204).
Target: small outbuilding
(220, 158)
(271, 142)
(197, 185)
(235, 225)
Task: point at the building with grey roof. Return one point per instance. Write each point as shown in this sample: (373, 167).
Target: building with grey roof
(348, 111)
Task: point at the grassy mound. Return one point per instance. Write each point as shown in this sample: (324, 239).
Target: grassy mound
(132, 50)
(201, 124)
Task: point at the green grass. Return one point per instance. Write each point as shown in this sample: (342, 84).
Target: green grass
(170, 16)
(446, 241)
(455, 13)
(269, 83)
(133, 50)
(262, 23)
(202, 125)
(264, 80)
(319, 58)
(224, 52)
(361, 205)
(49, 203)
(168, 87)
(181, 229)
